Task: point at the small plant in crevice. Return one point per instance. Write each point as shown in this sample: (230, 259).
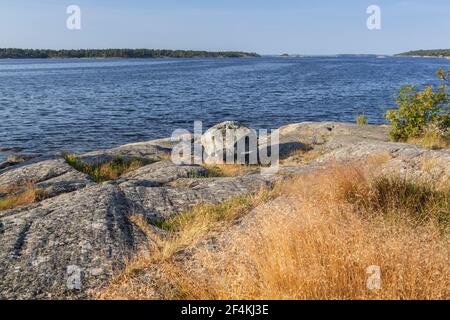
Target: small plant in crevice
(231, 170)
(361, 119)
(106, 171)
(18, 196)
(205, 173)
(222, 171)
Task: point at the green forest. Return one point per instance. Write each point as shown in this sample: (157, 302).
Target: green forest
(427, 53)
(13, 53)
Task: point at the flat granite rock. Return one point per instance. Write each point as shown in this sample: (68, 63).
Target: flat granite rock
(406, 160)
(65, 183)
(54, 176)
(66, 246)
(35, 172)
(144, 150)
(160, 173)
(332, 135)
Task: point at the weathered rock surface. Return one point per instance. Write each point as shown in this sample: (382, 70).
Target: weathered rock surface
(54, 176)
(36, 172)
(314, 132)
(14, 159)
(331, 135)
(160, 173)
(70, 181)
(44, 247)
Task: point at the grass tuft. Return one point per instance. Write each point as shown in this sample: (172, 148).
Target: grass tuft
(223, 170)
(229, 170)
(20, 196)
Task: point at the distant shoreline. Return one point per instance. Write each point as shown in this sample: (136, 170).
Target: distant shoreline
(15, 53)
(439, 53)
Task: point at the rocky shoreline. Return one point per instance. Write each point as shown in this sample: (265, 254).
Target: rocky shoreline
(72, 242)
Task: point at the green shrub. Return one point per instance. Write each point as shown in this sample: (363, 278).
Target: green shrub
(361, 119)
(419, 110)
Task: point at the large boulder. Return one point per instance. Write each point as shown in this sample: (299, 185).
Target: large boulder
(229, 141)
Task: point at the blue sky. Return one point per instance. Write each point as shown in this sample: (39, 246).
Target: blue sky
(263, 26)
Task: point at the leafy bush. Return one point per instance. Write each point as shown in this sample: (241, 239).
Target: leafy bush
(420, 110)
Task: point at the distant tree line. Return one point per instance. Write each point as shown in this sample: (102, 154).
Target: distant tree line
(427, 53)
(13, 53)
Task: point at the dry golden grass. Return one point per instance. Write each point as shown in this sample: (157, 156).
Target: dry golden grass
(17, 196)
(190, 227)
(181, 232)
(431, 140)
(316, 243)
(428, 164)
(319, 244)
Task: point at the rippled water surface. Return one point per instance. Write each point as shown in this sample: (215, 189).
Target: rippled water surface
(81, 105)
